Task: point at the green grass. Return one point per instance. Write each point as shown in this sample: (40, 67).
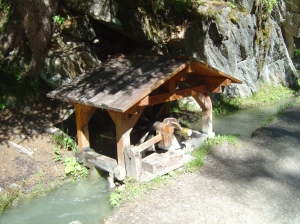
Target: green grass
(206, 148)
(280, 111)
(8, 196)
(267, 94)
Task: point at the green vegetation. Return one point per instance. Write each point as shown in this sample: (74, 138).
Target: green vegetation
(231, 5)
(14, 83)
(72, 169)
(206, 148)
(8, 196)
(4, 12)
(58, 19)
(267, 94)
(133, 189)
(297, 51)
(269, 4)
(273, 118)
(64, 141)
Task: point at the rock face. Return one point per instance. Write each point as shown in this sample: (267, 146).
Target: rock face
(287, 14)
(66, 60)
(224, 37)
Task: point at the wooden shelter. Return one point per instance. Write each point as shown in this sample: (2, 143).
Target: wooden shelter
(124, 86)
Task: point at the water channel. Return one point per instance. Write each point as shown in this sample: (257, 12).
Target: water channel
(88, 201)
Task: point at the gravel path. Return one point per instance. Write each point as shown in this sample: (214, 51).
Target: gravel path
(255, 182)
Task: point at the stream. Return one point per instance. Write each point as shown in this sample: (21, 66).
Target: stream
(87, 201)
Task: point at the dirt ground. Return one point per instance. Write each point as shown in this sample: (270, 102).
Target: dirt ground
(257, 181)
(30, 127)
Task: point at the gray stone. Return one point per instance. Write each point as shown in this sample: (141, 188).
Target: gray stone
(79, 27)
(65, 61)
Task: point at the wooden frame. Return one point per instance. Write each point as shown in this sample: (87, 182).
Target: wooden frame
(124, 86)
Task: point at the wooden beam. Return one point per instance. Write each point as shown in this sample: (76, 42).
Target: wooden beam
(134, 117)
(112, 114)
(123, 129)
(83, 115)
(148, 143)
(179, 94)
(183, 74)
(204, 101)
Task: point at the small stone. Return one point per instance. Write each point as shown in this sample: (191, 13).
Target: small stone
(15, 185)
(179, 183)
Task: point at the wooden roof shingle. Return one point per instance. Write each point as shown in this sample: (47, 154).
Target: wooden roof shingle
(120, 82)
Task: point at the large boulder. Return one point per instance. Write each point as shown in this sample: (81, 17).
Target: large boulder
(122, 16)
(66, 60)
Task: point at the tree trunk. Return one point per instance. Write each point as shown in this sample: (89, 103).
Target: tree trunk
(37, 20)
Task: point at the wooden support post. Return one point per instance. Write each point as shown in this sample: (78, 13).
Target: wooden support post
(83, 115)
(133, 161)
(123, 129)
(204, 101)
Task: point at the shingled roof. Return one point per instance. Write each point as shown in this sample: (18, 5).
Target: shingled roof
(120, 82)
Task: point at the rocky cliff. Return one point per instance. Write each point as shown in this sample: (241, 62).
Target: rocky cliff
(239, 37)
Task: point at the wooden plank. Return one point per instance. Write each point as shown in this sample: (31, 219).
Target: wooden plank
(102, 162)
(148, 143)
(143, 87)
(216, 81)
(118, 81)
(123, 130)
(83, 115)
(179, 94)
(158, 163)
(207, 70)
(114, 73)
(133, 80)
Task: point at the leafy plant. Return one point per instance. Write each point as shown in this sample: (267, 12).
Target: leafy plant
(64, 141)
(269, 4)
(57, 154)
(231, 5)
(297, 51)
(115, 198)
(74, 169)
(58, 19)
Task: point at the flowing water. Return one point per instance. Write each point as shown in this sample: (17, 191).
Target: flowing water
(244, 122)
(87, 201)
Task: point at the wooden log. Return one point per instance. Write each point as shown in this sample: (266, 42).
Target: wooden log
(21, 149)
(133, 160)
(102, 162)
